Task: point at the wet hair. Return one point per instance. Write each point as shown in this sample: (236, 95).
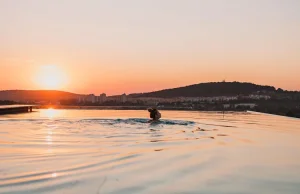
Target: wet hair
(153, 112)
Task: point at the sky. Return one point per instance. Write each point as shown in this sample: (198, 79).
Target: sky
(118, 46)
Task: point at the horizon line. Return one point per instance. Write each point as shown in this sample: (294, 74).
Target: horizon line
(57, 90)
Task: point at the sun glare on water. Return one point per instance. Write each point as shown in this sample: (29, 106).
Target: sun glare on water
(51, 77)
(50, 113)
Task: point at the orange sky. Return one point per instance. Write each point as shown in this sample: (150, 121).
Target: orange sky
(140, 46)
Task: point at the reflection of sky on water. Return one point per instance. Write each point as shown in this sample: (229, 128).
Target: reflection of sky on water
(75, 151)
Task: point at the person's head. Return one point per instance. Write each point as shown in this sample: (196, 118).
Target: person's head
(150, 109)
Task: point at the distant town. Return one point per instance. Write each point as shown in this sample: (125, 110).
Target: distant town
(219, 96)
(228, 102)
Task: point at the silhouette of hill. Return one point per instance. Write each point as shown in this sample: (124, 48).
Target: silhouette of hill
(209, 89)
(196, 90)
(36, 95)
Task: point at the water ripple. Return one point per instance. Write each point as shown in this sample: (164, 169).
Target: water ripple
(186, 152)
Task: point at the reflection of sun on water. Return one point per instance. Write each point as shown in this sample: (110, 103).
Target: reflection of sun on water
(50, 113)
(49, 140)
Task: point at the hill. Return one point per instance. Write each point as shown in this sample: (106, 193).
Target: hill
(208, 90)
(36, 95)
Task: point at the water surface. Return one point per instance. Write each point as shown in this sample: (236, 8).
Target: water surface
(114, 151)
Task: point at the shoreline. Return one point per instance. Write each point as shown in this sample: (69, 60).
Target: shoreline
(145, 108)
(128, 108)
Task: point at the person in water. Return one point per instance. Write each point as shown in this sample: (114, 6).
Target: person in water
(154, 114)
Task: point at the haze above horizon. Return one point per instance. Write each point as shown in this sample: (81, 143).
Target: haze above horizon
(136, 46)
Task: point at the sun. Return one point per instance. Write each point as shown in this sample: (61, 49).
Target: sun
(50, 77)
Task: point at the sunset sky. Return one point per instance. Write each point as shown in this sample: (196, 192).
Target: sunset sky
(117, 46)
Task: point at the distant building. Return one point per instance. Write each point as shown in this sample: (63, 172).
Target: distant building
(117, 98)
(80, 99)
(257, 97)
(102, 98)
(250, 105)
(123, 98)
(207, 99)
(226, 106)
(91, 98)
(239, 105)
(150, 100)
